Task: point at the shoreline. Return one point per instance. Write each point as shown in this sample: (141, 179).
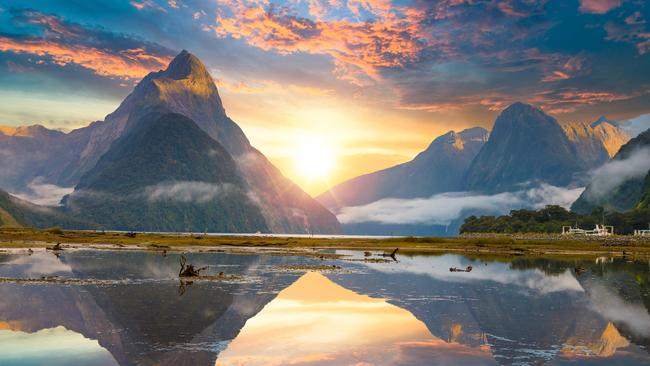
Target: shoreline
(516, 245)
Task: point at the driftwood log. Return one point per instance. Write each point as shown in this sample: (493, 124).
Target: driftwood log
(580, 270)
(454, 269)
(188, 270)
(391, 255)
(55, 248)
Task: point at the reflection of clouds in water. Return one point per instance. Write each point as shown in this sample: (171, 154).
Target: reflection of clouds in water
(53, 346)
(616, 309)
(40, 263)
(438, 268)
(160, 269)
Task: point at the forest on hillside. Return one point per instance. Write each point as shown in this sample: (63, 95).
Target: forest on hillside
(551, 219)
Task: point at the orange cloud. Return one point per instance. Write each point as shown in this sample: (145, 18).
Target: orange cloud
(567, 101)
(359, 49)
(270, 86)
(126, 64)
(95, 49)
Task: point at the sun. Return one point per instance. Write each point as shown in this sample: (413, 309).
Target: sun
(314, 160)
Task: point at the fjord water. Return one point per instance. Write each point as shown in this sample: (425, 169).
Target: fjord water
(132, 310)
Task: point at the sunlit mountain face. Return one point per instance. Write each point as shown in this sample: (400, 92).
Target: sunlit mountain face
(132, 310)
(329, 90)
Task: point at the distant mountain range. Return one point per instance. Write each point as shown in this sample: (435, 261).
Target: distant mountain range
(100, 159)
(526, 147)
(439, 168)
(170, 159)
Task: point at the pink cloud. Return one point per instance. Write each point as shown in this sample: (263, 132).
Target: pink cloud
(359, 49)
(598, 6)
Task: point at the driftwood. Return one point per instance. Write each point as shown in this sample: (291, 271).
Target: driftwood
(56, 247)
(454, 269)
(391, 255)
(188, 270)
(182, 287)
(580, 270)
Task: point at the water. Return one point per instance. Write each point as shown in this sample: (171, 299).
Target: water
(133, 310)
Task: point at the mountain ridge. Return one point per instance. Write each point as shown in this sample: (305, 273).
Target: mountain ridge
(437, 169)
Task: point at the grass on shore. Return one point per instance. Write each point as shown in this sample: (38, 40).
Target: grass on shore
(528, 245)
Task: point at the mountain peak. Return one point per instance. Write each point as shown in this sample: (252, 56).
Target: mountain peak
(602, 120)
(29, 131)
(474, 134)
(186, 65)
(520, 107)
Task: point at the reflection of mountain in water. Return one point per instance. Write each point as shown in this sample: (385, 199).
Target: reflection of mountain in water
(519, 312)
(142, 323)
(527, 316)
(316, 322)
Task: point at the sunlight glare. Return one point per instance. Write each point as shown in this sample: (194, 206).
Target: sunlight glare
(314, 159)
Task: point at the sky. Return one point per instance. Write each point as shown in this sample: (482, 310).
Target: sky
(372, 82)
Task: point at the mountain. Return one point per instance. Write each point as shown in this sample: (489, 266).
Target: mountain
(644, 201)
(33, 131)
(597, 142)
(439, 168)
(633, 126)
(525, 145)
(15, 212)
(166, 175)
(620, 185)
(186, 88)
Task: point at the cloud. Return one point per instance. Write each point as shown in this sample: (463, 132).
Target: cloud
(103, 52)
(187, 191)
(44, 194)
(632, 31)
(598, 6)
(636, 125)
(614, 308)
(392, 38)
(39, 264)
(438, 269)
(614, 173)
(442, 209)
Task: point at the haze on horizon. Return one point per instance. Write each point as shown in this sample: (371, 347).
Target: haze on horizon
(370, 82)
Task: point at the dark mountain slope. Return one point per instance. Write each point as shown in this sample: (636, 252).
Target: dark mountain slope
(628, 193)
(525, 145)
(166, 175)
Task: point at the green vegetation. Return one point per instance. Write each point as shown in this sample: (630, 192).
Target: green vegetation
(15, 212)
(551, 219)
